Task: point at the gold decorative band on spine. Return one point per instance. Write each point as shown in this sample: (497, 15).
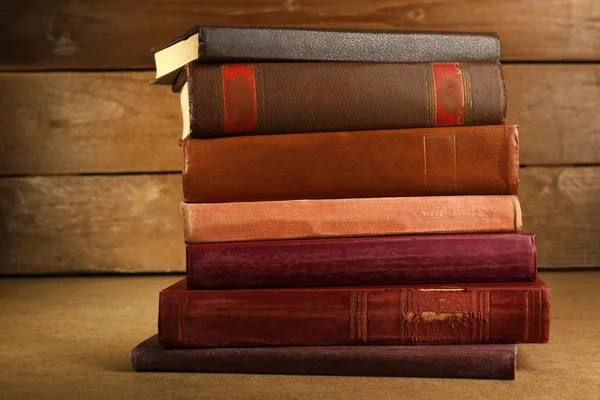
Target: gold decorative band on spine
(430, 83)
(467, 94)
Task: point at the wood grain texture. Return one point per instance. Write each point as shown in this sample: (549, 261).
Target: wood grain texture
(556, 107)
(562, 206)
(133, 223)
(65, 123)
(99, 34)
(91, 224)
(56, 123)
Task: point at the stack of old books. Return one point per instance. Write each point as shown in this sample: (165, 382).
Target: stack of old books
(347, 196)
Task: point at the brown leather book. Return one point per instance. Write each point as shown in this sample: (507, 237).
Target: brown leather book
(395, 163)
(476, 313)
(227, 43)
(305, 219)
(490, 361)
(272, 98)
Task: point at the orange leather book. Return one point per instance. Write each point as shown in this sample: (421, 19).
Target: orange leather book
(466, 160)
(303, 219)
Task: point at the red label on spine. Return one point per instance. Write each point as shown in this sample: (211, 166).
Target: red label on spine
(449, 94)
(239, 92)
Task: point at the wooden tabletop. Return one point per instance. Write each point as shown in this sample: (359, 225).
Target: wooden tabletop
(64, 338)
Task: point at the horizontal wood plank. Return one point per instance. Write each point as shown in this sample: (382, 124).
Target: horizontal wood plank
(66, 123)
(556, 107)
(91, 224)
(114, 34)
(562, 207)
(56, 123)
(132, 223)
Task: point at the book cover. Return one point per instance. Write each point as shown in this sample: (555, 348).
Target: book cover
(464, 313)
(362, 261)
(477, 160)
(311, 219)
(226, 44)
(275, 98)
(473, 361)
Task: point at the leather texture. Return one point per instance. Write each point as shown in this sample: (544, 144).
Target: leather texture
(231, 44)
(412, 162)
(342, 96)
(362, 261)
(226, 44)
(477, 313)
(311, 219)
(474, 361)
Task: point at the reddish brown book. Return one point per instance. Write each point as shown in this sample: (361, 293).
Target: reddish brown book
(306, 219)
(478, 313)
(275, 98)
(467, 160)
(362, 261)
(491, 361)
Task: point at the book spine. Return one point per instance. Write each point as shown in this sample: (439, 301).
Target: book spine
(362, 261)
(219, 44)
(271, 98)
(353, 316)
(482, 160)
(308, 219)
(474, 361)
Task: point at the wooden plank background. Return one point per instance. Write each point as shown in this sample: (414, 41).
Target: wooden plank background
(116, 34)
(89, 156)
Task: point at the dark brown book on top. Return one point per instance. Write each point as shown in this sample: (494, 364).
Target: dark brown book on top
(275, 98)
(476, 313)
(474, 361)
(474, 160)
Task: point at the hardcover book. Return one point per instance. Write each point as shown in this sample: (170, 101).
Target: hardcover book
(476, 313)
(311, 219)
(225, 44)
(474, 361)
(471, 160)
(275, 98)
(362, 261)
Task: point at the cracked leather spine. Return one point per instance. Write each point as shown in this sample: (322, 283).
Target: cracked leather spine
(478, 313)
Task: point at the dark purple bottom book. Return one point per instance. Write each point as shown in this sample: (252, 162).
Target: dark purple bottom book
(461, 361)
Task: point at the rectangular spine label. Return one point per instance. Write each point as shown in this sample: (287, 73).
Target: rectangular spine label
(239, 96)
(449, 94)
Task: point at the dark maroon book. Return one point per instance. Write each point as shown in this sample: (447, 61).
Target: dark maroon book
(362, 261)
(467, 361)
(457, 313)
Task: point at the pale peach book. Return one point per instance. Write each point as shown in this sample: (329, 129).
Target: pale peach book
(305, 219)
